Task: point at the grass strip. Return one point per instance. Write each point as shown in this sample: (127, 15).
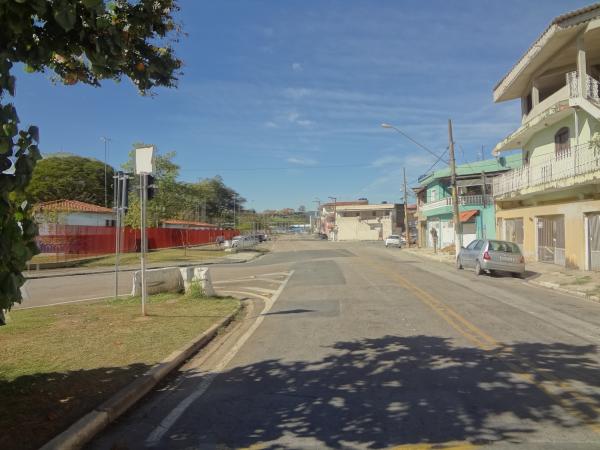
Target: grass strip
(60, 362)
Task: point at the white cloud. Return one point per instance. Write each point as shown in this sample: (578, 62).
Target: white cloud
(300, 161)
(296, 67)
(270, 124)
(296, 93)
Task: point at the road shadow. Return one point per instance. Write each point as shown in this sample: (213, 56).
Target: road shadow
(377, 393)
(35, 408)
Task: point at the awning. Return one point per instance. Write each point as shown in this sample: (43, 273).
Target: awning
(465, 216)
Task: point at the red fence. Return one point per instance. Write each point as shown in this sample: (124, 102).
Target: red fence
(88, 240)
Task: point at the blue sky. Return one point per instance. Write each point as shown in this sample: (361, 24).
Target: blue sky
(277, 95)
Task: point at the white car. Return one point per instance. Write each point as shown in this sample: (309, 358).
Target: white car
(393, 241)
(243, 241)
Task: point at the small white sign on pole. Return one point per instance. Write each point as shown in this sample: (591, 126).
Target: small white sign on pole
(144, 165)
(144, 160)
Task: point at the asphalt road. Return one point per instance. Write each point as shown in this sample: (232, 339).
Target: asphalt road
(357, 346)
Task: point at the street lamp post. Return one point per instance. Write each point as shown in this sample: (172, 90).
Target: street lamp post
(106, 141)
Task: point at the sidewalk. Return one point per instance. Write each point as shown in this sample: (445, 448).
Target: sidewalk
(578, 282)
(233, 258)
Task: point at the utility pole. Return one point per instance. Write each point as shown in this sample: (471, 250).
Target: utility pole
(455, 214)
(406, 230)
(318, 215)
(334, 217)
(234, 197)
(106, 141)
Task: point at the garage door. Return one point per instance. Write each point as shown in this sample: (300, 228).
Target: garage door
(593, 239)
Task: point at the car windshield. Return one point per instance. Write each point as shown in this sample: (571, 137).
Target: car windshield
(393, 236)
(504, 246)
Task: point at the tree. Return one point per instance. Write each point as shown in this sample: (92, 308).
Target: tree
(83, 41)
(70, 177)
(302, 209)
(168, 200)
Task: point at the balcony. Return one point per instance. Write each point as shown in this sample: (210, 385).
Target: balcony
(591, 87)
(569, 167)
(463, 200)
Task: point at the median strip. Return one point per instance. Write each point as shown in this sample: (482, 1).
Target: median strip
(61, 362)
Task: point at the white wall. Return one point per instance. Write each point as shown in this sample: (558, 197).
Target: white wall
(365, 227)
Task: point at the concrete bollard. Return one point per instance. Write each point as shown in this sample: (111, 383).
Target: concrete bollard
(200, 275)
(166, 279)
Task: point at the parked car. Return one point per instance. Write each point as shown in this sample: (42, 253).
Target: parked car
(262, 237)
(394, 240)
(491, 256)
(243, 241)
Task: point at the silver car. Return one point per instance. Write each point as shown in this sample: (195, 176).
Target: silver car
(491, 256)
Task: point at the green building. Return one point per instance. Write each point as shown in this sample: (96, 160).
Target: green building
(476, 204)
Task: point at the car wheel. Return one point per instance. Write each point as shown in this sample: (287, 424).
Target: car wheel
(478, 270)
(517, 275)
(386, 246)
(459, 265)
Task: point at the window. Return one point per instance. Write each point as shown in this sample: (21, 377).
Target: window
(433, 195)
(562, 144)
(472, 245)
(478, 245)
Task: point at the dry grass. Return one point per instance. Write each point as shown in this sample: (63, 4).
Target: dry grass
(60, 362)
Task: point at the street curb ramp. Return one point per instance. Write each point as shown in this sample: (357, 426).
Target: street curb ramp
(82, 431)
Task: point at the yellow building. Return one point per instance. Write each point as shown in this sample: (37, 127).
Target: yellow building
(551, 206)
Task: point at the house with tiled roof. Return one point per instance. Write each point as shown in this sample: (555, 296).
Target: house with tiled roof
(551, 205)
(73, 212)
(475, 202)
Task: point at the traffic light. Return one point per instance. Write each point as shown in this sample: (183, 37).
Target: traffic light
(151, 186)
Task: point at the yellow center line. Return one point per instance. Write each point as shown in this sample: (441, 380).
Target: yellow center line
(484, 341)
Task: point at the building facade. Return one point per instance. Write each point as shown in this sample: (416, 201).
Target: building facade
(367, 222)
(551, 205)
(475, 201)
(72, 212)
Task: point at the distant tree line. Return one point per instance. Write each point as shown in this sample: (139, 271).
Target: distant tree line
(71, 177)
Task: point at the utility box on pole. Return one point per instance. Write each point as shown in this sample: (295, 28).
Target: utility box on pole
(144, 166)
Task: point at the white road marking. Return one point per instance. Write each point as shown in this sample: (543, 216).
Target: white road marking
(154, 438)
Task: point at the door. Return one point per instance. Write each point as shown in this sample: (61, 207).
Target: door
(447, 236)
(551, 239)
(593, 240)
(436, 225)
(469, 233)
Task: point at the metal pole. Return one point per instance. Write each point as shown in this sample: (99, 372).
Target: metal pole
(144, 197)
(106, 141)
(406, 211)
(455, 214)
(117, 197)
(234, 222)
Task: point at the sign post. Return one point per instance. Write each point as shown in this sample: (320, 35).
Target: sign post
(143, 166)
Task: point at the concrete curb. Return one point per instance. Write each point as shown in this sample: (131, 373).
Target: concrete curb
(82, 431)
(558, 287)
(546, 284)
(133, 269)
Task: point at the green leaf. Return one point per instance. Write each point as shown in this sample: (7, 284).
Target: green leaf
(5, 145)
(91, 3)
(65, 14)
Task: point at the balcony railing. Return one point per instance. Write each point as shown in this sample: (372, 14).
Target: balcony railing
(592, 86)
(580, 160)
(463, 200)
